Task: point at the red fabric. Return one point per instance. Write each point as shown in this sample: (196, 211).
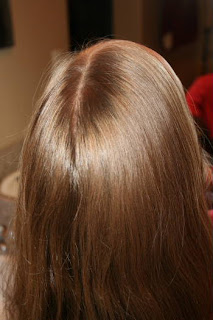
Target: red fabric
(211, 215)
(200, 100)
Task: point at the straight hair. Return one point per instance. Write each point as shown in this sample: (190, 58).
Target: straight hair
(111, 218)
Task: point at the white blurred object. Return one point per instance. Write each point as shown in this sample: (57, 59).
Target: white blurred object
(10, 185)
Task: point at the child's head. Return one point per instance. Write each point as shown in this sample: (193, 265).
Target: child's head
(111, 220)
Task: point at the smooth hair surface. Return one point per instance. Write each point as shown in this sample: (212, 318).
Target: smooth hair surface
(111, 220)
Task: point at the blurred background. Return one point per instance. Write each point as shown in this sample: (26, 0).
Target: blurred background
(33, 33)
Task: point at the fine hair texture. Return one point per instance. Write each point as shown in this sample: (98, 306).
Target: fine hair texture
(111, 219)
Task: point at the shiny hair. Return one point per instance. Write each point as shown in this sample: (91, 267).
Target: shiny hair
(111, 219)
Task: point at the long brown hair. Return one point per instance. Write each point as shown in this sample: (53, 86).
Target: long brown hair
(112, 220)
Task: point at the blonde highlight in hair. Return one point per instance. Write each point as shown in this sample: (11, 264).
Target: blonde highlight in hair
(112, 218)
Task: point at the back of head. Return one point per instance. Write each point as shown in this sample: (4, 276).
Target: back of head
(112, 221)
